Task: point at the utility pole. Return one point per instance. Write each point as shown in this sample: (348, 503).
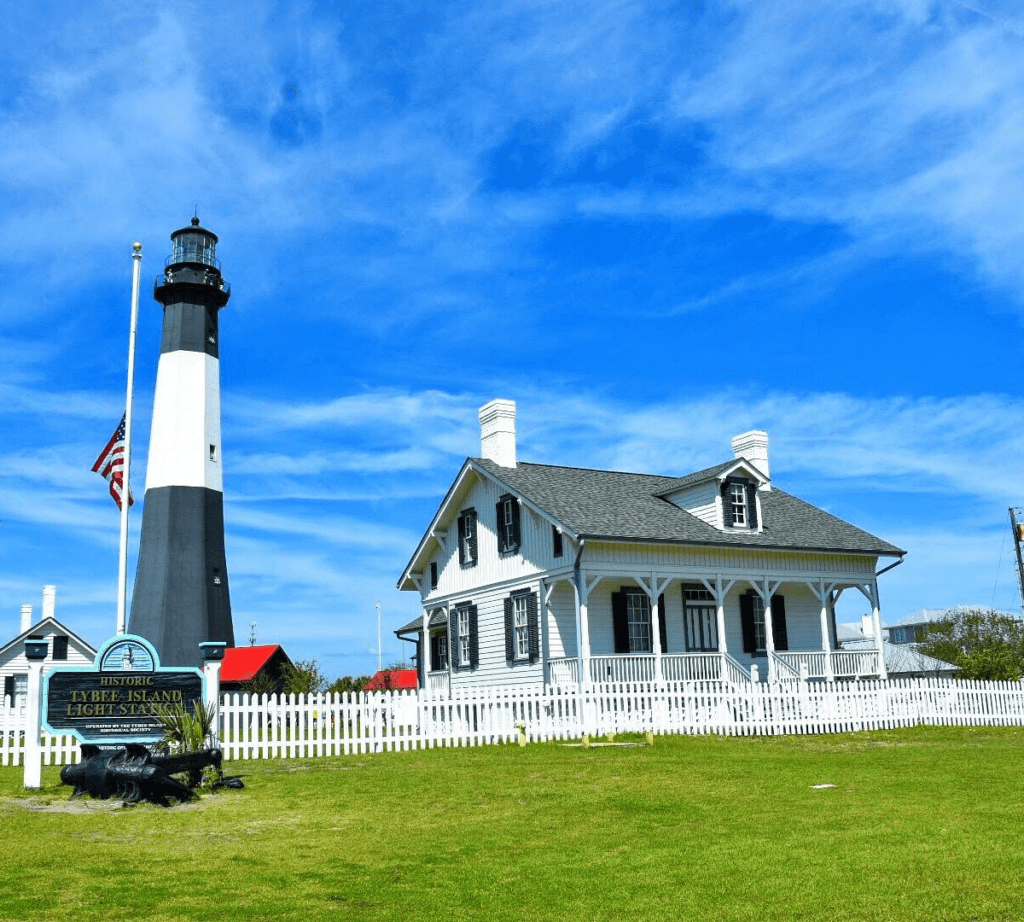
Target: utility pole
(377, 606)
(1018, 537)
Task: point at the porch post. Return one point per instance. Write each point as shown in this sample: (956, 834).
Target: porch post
(876, 620)
(826, 640)
(425, 649)
(447, 609)
(769, 634)
(544, 598)
(656, 635)
(582, 592)
(723, 646)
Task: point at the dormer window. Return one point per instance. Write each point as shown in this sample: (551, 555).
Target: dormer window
(739, 504)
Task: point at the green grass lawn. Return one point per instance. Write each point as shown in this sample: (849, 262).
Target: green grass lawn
(921, 824)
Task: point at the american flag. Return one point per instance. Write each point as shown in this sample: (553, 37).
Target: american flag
(110, 465)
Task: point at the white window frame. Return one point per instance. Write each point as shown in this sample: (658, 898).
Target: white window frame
(700, 617)
(466, 534)
(20, 698)
(521, 626)
(507, 523)
(463, 622)
(738, 504)
(638, 621)
(442, 651)
(760, 630)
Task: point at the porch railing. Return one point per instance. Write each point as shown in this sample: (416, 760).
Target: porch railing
(845, 663)
(563, 672)
(781, 670)
(439, 682)
(692, 667)
(622, 668)
(855, 663)
(816, 662)
(734, 672)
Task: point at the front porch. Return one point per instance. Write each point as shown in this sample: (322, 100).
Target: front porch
(716, 667)
(636, 627)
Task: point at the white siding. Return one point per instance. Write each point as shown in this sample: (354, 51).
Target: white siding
(562, 622)
(803, 623)
(709, 560)
(493, 669)
(14, 661)
(701, 501)
(535, 554)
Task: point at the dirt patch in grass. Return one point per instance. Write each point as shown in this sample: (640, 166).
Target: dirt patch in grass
(44, 804)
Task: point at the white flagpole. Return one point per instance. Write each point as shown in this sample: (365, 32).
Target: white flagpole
(122, 562)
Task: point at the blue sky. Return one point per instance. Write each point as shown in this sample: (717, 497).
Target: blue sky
(652, 224)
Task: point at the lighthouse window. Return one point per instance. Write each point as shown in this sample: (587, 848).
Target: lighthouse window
(213, 452)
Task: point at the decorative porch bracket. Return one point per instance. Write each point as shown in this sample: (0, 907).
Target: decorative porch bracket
(719, 589)
(583, 586)
(823, 591)
(766, 589)
(870, 592)
(654, 588)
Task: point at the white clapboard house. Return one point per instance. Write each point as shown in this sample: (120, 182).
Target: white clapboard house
(531, 573)
(64, 648)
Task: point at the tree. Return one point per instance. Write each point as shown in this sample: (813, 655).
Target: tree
(348, 684)
(303, 677)
(261, 684)
(984, 643)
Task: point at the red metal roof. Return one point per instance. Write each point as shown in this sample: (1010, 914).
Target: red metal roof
(240, 664)
(399, 678)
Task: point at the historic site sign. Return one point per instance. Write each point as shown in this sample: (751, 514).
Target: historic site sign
(117, 700)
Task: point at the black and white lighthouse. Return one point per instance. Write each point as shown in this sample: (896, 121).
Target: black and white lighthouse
(181, 585)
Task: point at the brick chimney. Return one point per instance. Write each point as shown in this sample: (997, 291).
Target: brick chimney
(753, 446)
(498, 432)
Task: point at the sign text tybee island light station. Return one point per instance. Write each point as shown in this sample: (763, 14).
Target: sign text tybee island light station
(121, 698)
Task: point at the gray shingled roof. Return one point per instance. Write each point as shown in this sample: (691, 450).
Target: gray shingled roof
(437, 619)
(615, 505)
(900, 659)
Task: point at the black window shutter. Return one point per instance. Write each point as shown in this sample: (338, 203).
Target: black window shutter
(779, 623)
(433, 574)
(727, 519)
(747, 622)
(462, 537)
(474, 639)
(752, 505)
(472, 538)
(9, 687)
(517, 540)
(510, 635)
(556, 542)
(422, 651)
(453, 636)
(620, 624)
(533, 623)
(499, 525)
(60, 647)
(662, 628)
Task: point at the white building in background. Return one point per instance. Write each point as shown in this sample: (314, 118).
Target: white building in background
(913, 627)
(532, 573)
(64, 648)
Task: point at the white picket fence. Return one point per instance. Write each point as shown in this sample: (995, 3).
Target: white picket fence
(326, 725)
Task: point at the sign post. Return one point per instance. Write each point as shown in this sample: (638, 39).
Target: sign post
(35, 653)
